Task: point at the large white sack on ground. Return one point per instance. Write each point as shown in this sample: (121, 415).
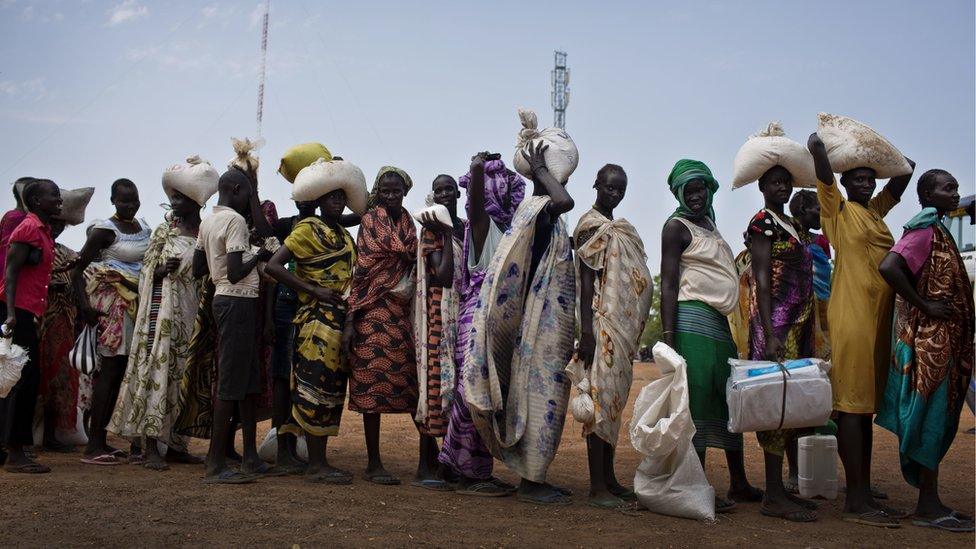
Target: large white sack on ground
(75, 437)
(756, 401)
(670, 480)
(322, 177)
(196, 178)
(770, 148)
(851, 144)
(562, 157)
(268, 450)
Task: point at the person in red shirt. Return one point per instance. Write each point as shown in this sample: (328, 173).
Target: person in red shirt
(23, 298)
(12, 218)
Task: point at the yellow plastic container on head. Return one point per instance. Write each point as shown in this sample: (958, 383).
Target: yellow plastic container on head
(300, 157)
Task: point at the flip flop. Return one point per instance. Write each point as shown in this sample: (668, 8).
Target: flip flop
(608, 503)
(723, 505)
(228, 476)
(384, 479)
(510, 488)
(155, 465)
(560, 490)
(485, 489)
(897, 514)
(433, 484)
(949, 523)
(102, 460)
(267, 471)
(297, 469)
(875, 518)
(552, 498)
(335, 478)
(29, 468)
(627, 495)
(792, 516)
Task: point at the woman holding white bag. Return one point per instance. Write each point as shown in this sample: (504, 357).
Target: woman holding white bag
(147, 405)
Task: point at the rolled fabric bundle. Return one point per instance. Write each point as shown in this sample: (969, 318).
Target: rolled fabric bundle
(322, 177)
(851, 144)
(562, 157)
(74, 202)
(300, 157)
(195, 178)
(770, 148)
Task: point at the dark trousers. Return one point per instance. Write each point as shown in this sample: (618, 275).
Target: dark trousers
(17, 408)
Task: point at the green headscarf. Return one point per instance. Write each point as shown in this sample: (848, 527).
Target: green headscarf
(371, 203)
(684, 172)
(926, 218)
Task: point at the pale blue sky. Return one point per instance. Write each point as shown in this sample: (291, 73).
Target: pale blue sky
(92, 91)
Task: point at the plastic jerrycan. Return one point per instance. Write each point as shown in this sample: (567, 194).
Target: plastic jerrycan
(818, 466)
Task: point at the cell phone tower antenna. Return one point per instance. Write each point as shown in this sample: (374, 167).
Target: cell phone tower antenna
(560, 90)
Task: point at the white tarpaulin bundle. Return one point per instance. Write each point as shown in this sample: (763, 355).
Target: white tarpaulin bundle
(670, 480)
(851, 144)
(766, 396)
(770, 148)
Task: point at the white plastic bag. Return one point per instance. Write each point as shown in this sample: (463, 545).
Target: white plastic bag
(755, 395)
(562, 157)
(83, 356)
(851, 144)
(770, 148)
(670, 480)
(12, 361)
(196, 178)
(268, 450)
(321, 177)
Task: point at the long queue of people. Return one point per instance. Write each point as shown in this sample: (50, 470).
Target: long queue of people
(207, 325)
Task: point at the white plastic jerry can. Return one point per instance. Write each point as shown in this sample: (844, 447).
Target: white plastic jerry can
(818, 466)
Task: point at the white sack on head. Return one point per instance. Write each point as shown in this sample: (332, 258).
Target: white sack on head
(322, 177)
(74, 202)
(770, 148)
(851, 144)
(195, 178)
(440, 213)
(562, 157)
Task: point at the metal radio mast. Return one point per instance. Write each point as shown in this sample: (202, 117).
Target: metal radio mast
(560, 90)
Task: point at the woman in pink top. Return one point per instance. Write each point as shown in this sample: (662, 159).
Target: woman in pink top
(23, 298)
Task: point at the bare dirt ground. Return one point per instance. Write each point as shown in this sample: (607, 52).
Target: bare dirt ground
(81, 505)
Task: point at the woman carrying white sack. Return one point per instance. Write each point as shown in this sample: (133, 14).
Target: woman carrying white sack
(781, 302)
(615, 289)
(148, 398)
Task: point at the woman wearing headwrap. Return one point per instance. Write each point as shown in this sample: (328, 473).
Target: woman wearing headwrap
(859, 316)
(379, 334)
(106, 280)
(148, 402)
(493, 194)
(699, 287)
(614, 299)
(522, 337)
(932, 359)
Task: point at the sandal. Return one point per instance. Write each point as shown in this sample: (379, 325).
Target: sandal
(265, 470)
(334, 477)
(102, 459)
(485, 489)
(723, 505)
(949, 523)
(510, 488)
(613, 502)
(155, 465)
(552, 498)
(434, 484)
(876, 518)
(383, 479)
(802, 515)
(29, 468)
(228, 476)
(897, 514)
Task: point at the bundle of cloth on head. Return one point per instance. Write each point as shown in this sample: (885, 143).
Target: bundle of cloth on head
(408, 184)
(851, 144)
(770, 148)
(74, 202)
(685, 171)
(323, 176)
(562, 157)
(504, 191)
(300, 157)
(195, 178)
